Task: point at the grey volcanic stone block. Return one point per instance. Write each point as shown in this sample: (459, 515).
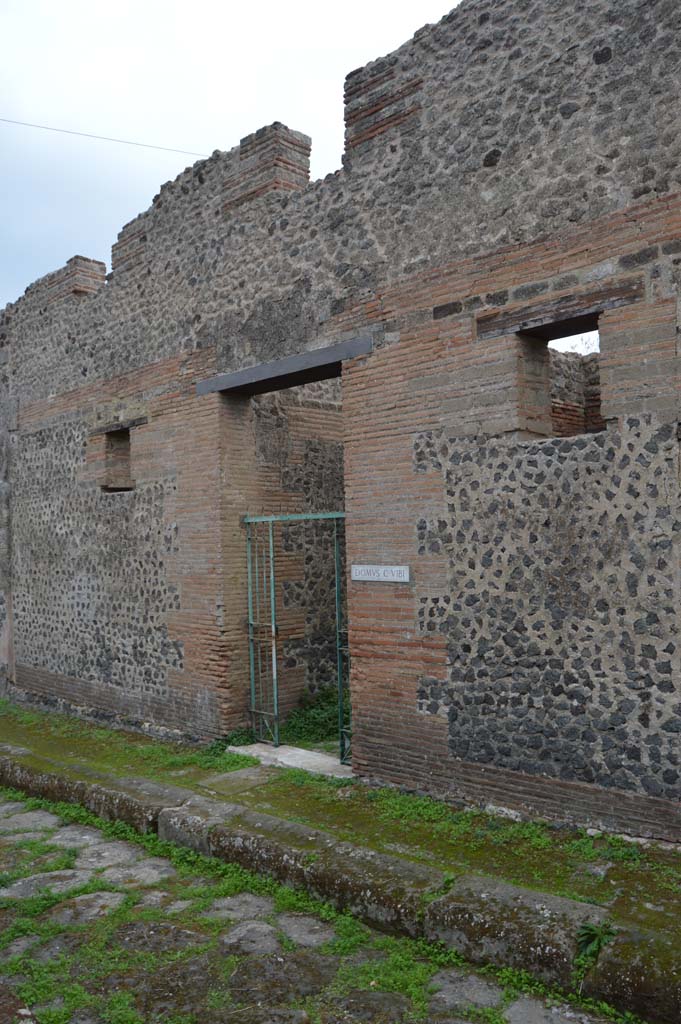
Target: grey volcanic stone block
(250, 937)
(146, 872)
(107, 855)
(29, 821)
(490, 921)
(137, 802)
(243, 907)
(190, 822)
(53, 881)
(642, 971)
(88, 907)
(460, 991)
(11, 807)
(17, 947)
(383, 891)
(305, 930)
(532, 1011)
(75, 837)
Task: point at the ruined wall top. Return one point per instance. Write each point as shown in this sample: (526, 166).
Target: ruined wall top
(507, 121)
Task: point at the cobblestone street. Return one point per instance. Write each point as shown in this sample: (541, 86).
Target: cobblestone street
(94, 930)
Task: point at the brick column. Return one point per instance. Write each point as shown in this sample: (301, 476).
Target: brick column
(80, 276)
(272, 159)
(240, 493)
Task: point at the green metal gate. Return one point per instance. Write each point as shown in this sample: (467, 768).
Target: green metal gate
(263, 630)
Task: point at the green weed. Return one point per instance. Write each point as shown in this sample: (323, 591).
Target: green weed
(315, 720)
(137, 753)
(324, 784)
(120, 1009)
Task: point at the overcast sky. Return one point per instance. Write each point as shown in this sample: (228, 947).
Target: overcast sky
(196, 76)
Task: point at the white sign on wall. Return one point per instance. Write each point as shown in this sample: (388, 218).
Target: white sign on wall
(380, 573)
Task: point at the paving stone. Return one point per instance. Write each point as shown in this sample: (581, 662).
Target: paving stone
(104, 855)
(144, 872)
(29, 821)
(257, 1015)
(153, 898)
(171, 991)
(11, 1008)
(23, 837)
(87, 907)
(17, 947)
(54, 881)
(178, 906)
(377, 1007)
(250, 937)
(75, 837)
(448, 1020)
(10, 858)
(244, 907)
(305, 930)
(59, 946)
(10, 807)
(532, 1011)
(157, 937)
(459, 991)
(272, 980)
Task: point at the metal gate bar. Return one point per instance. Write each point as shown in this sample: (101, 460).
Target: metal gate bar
(263, 628)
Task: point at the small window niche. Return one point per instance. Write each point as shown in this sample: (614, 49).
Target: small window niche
(560, 379)
(116, 474)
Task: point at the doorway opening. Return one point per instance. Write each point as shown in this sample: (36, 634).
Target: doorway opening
(283, 467)
(297, 622)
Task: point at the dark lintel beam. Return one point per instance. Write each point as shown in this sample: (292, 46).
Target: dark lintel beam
(553, 318)
(317, 364)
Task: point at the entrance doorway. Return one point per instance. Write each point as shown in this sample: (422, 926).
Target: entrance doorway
(283, 462)
(297, 618)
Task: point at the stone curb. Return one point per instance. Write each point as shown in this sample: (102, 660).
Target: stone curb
(483, 919)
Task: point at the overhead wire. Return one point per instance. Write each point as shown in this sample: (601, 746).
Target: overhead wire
(101, 138)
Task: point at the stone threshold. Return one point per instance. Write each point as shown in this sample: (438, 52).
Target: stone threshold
(296, 757)
(484, 919)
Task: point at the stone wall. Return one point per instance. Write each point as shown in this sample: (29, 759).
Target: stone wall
(91, 592)
(532, 662)
(104, 596)
(7, 425)
(560, 611)
(512, 167)
(517, 110)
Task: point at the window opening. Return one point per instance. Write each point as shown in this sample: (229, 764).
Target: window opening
(117, 475)
(561, 383)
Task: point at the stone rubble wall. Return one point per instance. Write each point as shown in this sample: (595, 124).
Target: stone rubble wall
(7, 426)
(560, 610)
(517, 133)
